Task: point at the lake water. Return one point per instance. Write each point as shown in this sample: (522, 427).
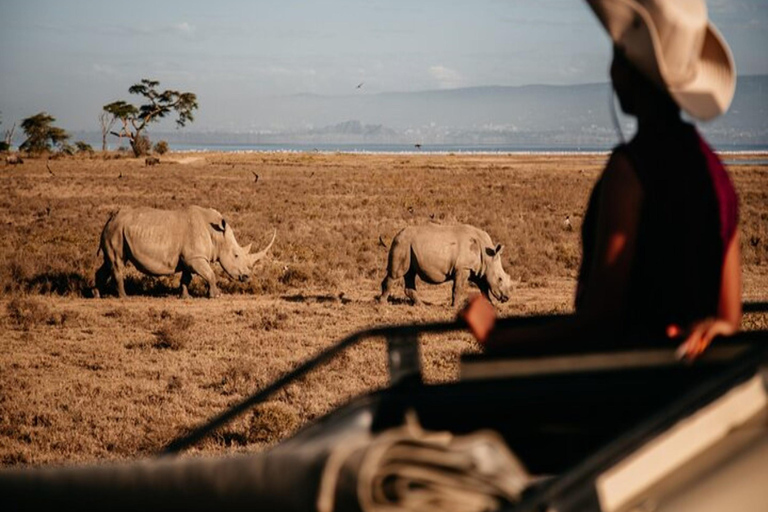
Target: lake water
(383, 148)
(435, 149)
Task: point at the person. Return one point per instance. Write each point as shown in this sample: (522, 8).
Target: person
(659, 239)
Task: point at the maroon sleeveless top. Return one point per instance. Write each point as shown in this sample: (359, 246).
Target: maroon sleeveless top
(688, 217)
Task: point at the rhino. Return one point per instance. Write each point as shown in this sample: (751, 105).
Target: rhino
(163, 242)
(439, 253)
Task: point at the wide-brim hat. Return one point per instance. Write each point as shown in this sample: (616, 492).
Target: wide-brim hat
(675, 46)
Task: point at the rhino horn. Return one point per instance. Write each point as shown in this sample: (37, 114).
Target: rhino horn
(259, 255)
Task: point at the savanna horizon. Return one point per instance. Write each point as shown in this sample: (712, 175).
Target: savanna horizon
(85, 379)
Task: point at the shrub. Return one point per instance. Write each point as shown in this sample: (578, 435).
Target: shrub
(27, 313)
(67, 149)
(271, 422)
(173, 333)
(294, 276)
(270, 320)
(237, 379)
(83, 147)
(161, 147)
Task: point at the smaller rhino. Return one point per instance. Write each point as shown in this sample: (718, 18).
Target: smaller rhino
(438, 253)
(13, 160)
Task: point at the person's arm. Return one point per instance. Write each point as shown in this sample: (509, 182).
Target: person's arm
(605, 299)
(728, 319)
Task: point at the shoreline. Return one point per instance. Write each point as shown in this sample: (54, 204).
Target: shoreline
(757, 153)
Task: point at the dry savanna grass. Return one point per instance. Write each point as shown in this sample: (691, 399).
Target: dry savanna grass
(83, 379)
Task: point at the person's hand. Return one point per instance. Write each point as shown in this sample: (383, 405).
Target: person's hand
(480, 316)
(699, 335)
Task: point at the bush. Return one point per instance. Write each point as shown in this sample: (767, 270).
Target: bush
(83, 147)
(271, 422)
(161, 147)
(67, 149)
(27, 313)
(173, 335)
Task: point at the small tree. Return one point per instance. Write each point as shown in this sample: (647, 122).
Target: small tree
(161, 147)
(83, 147)
(41, 134)
(159, 104)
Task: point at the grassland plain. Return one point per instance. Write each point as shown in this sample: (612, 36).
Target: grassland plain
(83, 380)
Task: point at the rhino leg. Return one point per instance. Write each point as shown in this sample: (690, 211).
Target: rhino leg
(398, 264)
(102, 277)
(202, 268)
(117, 265)
(386, 288)
(186, 278)
(460, 279)
(117, 274)
(410, 287)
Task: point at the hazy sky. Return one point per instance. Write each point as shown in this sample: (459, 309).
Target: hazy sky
(71, 57)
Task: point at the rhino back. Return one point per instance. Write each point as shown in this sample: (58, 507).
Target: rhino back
(440, 250)
(155, 238)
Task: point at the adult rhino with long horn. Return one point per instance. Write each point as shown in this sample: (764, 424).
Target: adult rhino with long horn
(163, 242)
(439, 253)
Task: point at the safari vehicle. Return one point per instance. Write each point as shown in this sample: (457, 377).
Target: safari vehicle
(603, 428)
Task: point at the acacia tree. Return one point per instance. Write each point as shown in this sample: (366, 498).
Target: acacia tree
(41, 134)
(159, 104)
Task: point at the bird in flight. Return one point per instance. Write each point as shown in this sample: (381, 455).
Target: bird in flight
(359, 85)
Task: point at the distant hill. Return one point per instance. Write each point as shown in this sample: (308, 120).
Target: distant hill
(525, 116)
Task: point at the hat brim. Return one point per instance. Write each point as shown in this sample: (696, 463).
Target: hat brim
(710, 91)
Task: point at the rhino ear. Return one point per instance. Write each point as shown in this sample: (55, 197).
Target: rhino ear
(499, 249)
(220, 227)
(490, 251)
(247, 249)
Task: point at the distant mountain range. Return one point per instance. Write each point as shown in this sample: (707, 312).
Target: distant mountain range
(527, 116)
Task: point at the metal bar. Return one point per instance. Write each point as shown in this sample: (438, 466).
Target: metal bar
(389, 332)
(404, 360)
(404, 331)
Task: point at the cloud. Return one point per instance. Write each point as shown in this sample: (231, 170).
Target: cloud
(184, 29)
(446, 78)
(105, 70)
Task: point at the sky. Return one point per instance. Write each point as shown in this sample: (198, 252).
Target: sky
(69, 58)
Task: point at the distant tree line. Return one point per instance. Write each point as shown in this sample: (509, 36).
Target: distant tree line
(43, 136)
